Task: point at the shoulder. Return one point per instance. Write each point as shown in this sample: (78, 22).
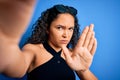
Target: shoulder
(33, 48)
(31, 54)
(30, 50)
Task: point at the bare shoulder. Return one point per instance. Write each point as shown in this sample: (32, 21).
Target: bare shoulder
(38, 52)
(29, 50)
(32, 47)
(29, 47)
(31, 53)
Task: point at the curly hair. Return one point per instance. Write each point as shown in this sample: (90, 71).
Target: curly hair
(39, 31)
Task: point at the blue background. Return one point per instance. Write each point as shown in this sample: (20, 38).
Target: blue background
(105, 14)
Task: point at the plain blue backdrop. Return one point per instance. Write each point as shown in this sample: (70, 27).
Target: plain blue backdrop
(105, 14)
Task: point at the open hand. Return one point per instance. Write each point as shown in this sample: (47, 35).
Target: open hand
(80, 58)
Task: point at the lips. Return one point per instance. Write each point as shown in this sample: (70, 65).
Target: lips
(64, 41)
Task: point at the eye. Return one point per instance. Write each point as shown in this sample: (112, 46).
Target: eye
(59, 27)
(71, 29)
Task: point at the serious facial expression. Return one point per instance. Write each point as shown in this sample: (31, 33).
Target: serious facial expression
(61, 31)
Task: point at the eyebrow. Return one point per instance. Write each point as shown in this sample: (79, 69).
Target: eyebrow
(65, 26)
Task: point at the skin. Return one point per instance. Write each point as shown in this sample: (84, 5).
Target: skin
(14, 18)
(61, 31)
(64, 32)
(82, 54)
(80, 58)
(33, 55)
(20, 12)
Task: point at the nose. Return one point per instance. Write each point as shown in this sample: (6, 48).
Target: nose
(65, 34)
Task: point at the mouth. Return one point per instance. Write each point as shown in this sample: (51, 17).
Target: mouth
(64, 41)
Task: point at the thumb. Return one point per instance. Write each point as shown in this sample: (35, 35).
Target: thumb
(66, 53)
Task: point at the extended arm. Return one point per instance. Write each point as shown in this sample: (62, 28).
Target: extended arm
(14, 18)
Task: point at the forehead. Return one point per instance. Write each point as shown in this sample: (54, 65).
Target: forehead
(64, 19)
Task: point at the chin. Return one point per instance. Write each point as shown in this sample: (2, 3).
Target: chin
(63, 45)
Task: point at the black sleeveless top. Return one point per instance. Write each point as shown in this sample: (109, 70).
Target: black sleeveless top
(55, 69)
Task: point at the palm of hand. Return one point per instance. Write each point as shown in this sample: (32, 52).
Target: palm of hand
(80, 58)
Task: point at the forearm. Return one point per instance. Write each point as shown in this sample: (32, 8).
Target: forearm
(86, 75)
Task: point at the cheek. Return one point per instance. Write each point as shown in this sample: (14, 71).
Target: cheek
(54, 35)
(58, 35)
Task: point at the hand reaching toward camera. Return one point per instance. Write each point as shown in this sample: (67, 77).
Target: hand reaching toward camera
(15, 16)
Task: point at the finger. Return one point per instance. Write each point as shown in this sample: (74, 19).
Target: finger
(94, 47)
(82, 37)
(66, 53)
(88, 36)
(91, 42)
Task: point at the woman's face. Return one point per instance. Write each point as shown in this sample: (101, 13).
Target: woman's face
(61, 31)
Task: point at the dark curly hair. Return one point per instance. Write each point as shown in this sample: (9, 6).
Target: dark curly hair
(39, 34)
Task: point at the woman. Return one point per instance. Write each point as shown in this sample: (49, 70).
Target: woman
(54, 49)
(53, 32)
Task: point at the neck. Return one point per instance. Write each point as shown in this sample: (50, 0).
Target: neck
(56, 48)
